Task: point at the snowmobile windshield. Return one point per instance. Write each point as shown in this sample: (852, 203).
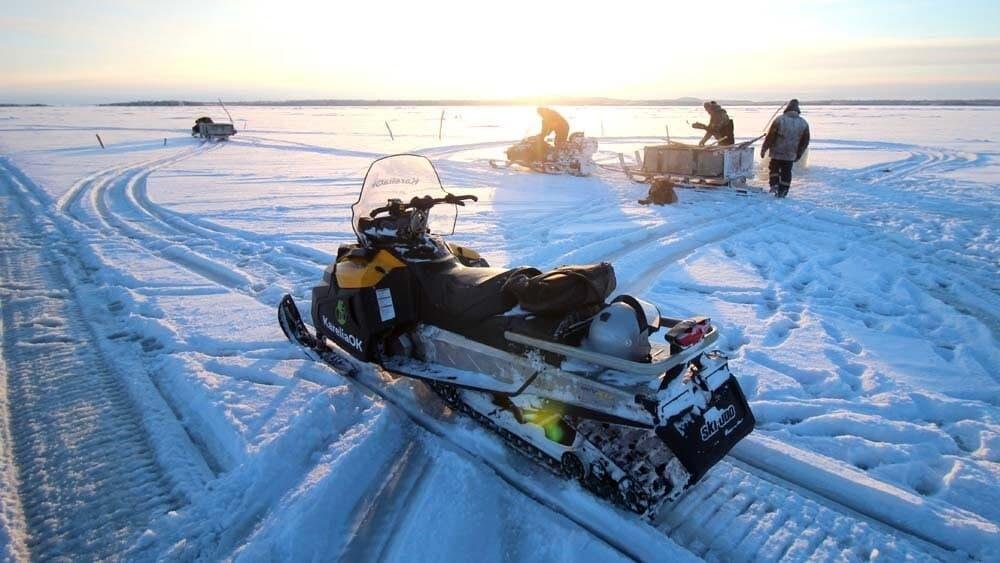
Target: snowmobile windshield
(404, 177)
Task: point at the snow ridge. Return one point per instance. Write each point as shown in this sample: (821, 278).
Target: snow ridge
(88, 480)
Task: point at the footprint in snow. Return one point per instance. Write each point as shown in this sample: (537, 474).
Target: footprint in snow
(779, 330)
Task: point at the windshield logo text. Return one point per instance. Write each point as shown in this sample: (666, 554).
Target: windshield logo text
(390, 181)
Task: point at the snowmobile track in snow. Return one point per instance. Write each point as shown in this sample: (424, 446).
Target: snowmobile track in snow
(124, 206)
(88, 479)
(118, 200)
(735, 515)
(731, 511)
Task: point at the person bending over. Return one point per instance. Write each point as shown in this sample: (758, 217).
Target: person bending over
(552, 122)
(720, 126)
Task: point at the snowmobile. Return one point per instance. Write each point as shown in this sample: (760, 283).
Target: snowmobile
(205, 128)
(634, 405)
(575, 156)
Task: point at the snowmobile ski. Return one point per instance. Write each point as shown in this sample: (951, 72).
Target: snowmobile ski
(298, 333)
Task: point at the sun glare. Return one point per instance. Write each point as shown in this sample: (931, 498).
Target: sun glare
(447, 49)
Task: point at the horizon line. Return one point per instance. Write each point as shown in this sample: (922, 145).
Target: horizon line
(570, 101)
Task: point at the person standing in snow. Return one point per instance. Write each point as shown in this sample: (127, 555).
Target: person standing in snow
(787, 139)
(197, 124)
(719, 125)
(552, 122)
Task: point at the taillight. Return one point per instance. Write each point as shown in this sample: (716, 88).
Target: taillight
(689, 332)
(695, 335)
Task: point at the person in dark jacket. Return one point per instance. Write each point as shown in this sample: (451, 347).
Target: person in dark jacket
(197, 123)
(719, 125)
(787, 139)
(552, 122)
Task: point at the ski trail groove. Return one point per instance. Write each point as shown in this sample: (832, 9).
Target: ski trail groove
(695, 537)
(382, 511)
(88, 479)
(108, 211)
(220, 238)
(119, 205)
(680, 245)
(677, 248)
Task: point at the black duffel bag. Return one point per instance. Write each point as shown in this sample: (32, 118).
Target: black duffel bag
(562, 290)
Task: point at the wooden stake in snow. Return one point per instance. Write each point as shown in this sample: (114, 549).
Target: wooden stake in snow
(768, 124)
(226, 110)
(390, 131)
(625, 168)
(667, 127)
(100, 141)
(164, 141)
(441, 125)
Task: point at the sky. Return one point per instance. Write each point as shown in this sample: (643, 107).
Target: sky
(81, 52)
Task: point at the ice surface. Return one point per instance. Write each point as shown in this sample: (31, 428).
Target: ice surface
(862, 314)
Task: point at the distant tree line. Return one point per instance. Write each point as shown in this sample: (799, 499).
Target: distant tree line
(686, 101)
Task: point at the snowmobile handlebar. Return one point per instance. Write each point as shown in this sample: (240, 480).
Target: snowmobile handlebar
(424, 203)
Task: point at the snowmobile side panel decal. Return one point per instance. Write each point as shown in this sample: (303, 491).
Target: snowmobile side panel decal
(351, 340)
(386, 311)
(352, 274)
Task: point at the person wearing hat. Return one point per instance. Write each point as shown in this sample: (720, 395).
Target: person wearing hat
(787, 139)
(719, 125)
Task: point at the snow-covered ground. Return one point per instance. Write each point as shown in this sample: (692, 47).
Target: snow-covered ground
(149, 404)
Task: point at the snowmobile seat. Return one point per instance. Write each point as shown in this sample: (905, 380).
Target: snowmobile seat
(457, 297)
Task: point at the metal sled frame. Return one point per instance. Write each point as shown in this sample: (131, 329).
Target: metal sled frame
(662, 359)
(737, 167)
(611, 388)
